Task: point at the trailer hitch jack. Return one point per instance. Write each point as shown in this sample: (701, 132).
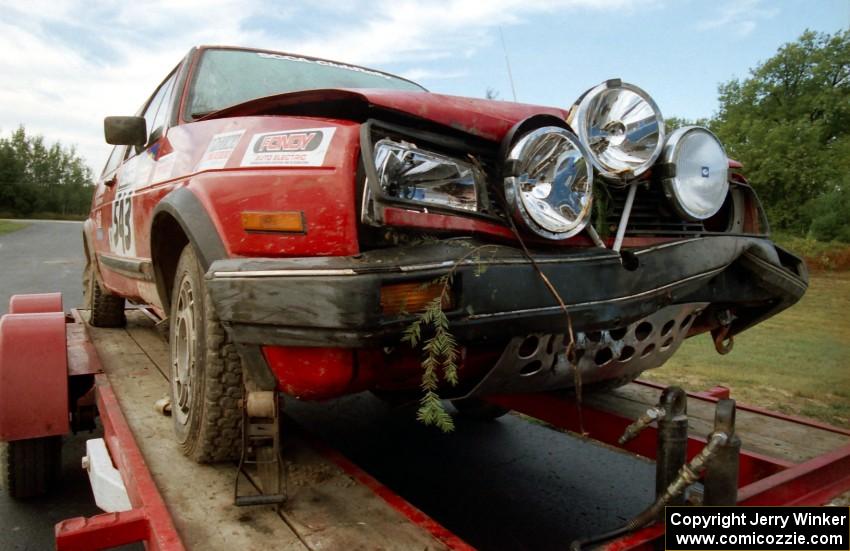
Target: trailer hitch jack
(718, 442)
(671, 413)
(672, 451)
(721, 476)
(261, 448)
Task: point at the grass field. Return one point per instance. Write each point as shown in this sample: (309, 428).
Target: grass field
(7, 226)
(819, 255)
(797, 362)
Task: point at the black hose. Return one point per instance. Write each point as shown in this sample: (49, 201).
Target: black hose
(687, 475)
(642, 519)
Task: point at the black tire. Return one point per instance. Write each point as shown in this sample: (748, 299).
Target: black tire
(478, 409)
(106, 309)
(206, 371)
(30, 468)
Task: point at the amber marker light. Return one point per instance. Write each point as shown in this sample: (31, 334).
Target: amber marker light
(412, 298)
(286, 221)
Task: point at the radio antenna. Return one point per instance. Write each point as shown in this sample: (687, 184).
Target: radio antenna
(507, 62)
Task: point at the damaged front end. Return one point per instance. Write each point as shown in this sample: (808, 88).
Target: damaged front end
(626, 320)
(647, 239)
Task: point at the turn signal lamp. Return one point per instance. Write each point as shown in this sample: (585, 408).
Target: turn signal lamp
(287, 221)
(412, 298)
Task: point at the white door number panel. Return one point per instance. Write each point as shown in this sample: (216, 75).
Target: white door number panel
(121, 233)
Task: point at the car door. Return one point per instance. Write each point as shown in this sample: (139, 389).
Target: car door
(120, 217)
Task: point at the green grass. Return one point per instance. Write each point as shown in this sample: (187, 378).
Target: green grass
(8, 227)
(44, 216)
(797, 362)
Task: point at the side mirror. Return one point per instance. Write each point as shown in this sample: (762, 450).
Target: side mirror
(125, 131)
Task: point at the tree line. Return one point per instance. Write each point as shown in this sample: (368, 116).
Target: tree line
(42, 180)
(788, 122)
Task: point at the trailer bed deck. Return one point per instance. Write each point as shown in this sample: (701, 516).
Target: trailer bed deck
(327, 508)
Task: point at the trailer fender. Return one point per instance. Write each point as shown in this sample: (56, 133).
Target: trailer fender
(33, 374)
(36, 303)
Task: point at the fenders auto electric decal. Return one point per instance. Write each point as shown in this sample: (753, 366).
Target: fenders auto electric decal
(305, 147)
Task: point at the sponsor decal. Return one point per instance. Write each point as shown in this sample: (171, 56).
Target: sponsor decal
(219, 150)
(305, 147)
(136, 171)
(164, 168)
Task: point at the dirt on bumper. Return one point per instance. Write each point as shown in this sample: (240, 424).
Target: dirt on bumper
(336, 301)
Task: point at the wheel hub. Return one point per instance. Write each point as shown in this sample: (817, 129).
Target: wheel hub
(183, 353)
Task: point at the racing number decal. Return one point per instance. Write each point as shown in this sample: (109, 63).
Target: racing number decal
(121, 230)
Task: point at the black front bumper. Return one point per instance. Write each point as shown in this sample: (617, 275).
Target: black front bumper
(335, 301)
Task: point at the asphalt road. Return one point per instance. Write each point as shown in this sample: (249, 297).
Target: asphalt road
(45, 257)
(504, 485)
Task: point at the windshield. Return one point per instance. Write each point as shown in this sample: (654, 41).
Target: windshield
(229, 77)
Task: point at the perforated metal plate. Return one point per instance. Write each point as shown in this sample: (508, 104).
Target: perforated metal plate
(537, 362)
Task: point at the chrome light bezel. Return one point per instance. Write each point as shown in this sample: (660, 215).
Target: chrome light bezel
(518, 199)
(672, 188)
(580, 121)
(384, 149)
(374, 201)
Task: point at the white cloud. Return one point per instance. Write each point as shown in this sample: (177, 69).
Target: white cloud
(66, 65)
(739, 16)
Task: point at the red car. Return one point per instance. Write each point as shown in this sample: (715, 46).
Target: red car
(293, 218)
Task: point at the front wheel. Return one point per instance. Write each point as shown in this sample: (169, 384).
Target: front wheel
(206, 371)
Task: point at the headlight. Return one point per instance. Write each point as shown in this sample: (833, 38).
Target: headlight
(697, 172)
(550, 184)
(622, 128)
(407, 172)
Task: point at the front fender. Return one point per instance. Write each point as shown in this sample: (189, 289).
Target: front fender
(186, 209)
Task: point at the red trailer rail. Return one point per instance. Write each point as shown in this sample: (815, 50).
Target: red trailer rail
(763, 480)
(33, 325)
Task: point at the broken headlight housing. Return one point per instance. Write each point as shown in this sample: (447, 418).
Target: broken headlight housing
(622, 128)
(411, 174)
(695, 172)
(549, 183)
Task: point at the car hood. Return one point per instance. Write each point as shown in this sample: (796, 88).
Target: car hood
(488, 119)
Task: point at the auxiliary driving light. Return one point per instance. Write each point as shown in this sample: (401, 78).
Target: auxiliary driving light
(696, 175)
(550, 184)
(622, 128)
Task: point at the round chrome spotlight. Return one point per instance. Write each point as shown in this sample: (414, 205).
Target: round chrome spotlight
(697, 172)
(550, 187)
(622, 128)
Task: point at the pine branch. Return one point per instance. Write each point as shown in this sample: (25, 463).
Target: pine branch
(440, 350)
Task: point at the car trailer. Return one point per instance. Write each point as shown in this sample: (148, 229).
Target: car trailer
(57, 374)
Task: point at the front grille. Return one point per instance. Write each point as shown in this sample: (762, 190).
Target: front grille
(651, 214)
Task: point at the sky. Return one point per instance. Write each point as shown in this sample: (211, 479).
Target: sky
(64, 65)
